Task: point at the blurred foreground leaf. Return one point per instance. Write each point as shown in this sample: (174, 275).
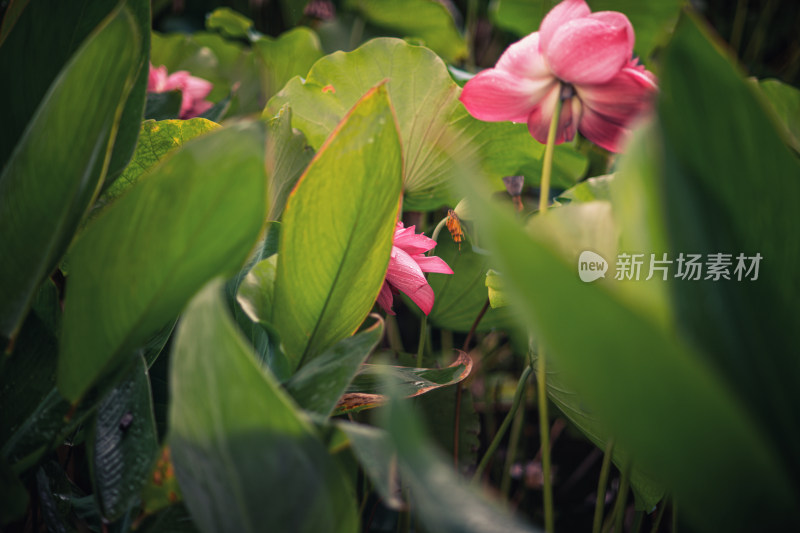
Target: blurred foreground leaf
(197, 215)
(60, 160)
(248, 458)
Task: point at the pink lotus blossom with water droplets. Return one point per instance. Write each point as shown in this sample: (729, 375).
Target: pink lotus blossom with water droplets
(583, 58)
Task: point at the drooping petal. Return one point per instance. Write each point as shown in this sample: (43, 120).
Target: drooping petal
(588, 51)
(602, 131)
(495, 95)
(525, 60)
(405, 275)
(433, 264)
(423, 297)
(542, 114)
(558, 16)
(385, 298)
(628, 94)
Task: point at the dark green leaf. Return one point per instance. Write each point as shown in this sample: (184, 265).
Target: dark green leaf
(131, 119)
(122, 443)
(438, 410)
(173, 519)
(317, 386)
(59, 161)
(445, 502)
(13, 496)
(45, 36)
(163, 106)
(197, 215)
(375, 453)
(337, 230)
(462, 295)
(785, 100)
(727, 190)
(248, 458)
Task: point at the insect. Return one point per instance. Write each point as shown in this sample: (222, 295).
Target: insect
(454, 227)
(126, 421)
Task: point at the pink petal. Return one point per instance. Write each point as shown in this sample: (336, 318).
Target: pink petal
(176, 81)
(602, 131)
(524, 59)
(197, 109)
(617, 20)
(588, 51)
(405, 275)
(156, 79)
(197, 88)
(542, 114)
(558, 16)
(412, 243)
(385, 298)
(611, 107)
(423, 297)
(495, 95)
(432, 264)
(626, 95)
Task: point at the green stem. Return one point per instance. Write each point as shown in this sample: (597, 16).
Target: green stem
(513, 444)
(738, 25)
(393, 334)
(637, 521)
(447, 341)
(547, 163)
(544, 436)
(541, 362)
(659, 516)
(436, 231)
(356, 32)
(470, 28)
(622, 498)
(601, 488)
(504, 426)
(423, 327)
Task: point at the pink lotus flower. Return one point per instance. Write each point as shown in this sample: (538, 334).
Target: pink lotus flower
(406, 266)
(581, 57)
(194, 90)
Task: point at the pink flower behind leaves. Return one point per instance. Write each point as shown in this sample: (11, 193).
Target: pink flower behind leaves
(585, 59)
(407, 265)
(194, 90)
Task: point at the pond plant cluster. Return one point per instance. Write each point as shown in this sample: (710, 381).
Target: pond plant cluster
(399, 265)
